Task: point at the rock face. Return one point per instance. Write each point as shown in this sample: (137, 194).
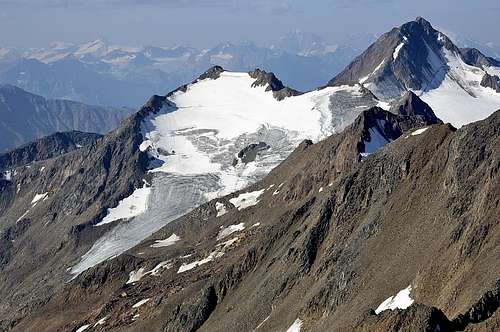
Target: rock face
(250, 152)
(25, 117)
(46, 148)
(474, 57)
(490, 81)
(280, 91)
(411, 104)
(327, 239)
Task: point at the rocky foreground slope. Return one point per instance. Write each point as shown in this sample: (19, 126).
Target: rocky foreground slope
(321, 243)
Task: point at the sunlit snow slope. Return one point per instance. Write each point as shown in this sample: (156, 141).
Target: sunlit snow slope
(460, 99)
(196, 137)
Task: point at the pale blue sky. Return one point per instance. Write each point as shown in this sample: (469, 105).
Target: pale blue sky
(202, 23)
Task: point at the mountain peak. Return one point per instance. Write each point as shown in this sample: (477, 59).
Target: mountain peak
(213, 73)
(279, 90)
(423, 22)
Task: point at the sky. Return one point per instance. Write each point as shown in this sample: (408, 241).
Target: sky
(203, 23)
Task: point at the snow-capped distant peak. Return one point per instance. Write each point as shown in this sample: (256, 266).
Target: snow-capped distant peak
(92, 47)
(416, 57)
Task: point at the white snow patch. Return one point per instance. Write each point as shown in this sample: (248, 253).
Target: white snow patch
(257, 224)
(206, 110)
(145, 145)
(24, 215)
(221, 209)
(101, 321)
(402, 300)
(419, 131)
(209, 258)
(296, 326)
(129, 207)
(493, 70)
(384, 105)
(262, 323)
(396, 51)
(320, 189)
(39, 197)
(141, 302)
(160, 266)
(364, 155)
(229, 243)
(367, 77)
(42, 168)
(172, 239)
(83, 328)
(246, 200)
(136, 276)
(7, 175)
(225, 232)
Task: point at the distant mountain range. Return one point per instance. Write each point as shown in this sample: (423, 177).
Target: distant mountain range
(100, 73)
(25, 117)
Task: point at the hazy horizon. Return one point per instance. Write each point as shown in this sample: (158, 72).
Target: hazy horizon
(204, 23)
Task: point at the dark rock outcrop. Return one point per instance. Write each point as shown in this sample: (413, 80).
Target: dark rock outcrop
(212, 73)
(250, 152)
(46, 148)
(280, 91)
(410, 104)
(474, 57)
(490, 81)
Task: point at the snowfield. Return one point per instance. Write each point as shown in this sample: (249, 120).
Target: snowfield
(172, 239)
(419, 131)
(296, 326)
(38, 197)
(209, 258)
(129, 207)
(220, 208)
(246, 200)
(195, 138)
(396, 51)
(460, 99)
(225, 232)
(401, 300)
(140, 303)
